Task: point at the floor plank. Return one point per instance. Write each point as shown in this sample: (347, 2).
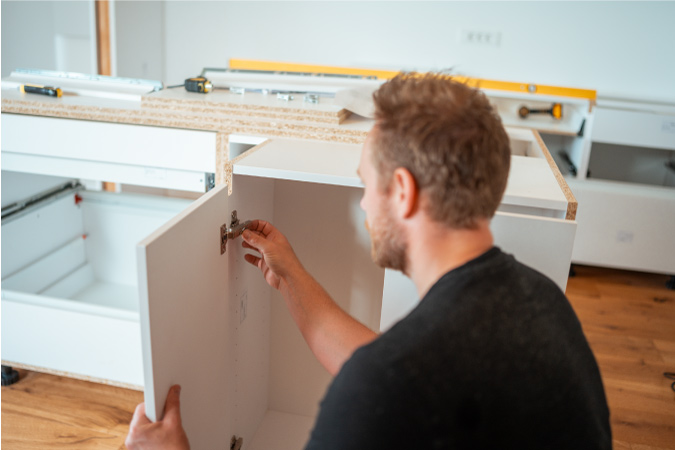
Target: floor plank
(628, 318)
(44, 411)
(629, 321)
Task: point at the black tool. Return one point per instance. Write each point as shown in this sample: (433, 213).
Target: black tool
(43, 90)
(555, 111)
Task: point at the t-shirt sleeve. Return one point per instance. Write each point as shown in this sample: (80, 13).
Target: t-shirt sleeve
(359, 410)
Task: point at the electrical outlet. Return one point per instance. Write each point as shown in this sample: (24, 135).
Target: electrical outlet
(243, 306)
(483, 38)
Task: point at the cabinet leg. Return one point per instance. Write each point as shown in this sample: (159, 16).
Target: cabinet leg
(9, 376)
(670, 284)
(573, 273)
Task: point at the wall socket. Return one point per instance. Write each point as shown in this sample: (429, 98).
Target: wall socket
(483, 38)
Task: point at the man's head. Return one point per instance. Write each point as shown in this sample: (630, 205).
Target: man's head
(448, 139)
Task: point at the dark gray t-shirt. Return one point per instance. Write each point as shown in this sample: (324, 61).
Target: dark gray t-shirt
(493, 357)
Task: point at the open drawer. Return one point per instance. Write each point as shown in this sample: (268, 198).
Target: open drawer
(206, 320)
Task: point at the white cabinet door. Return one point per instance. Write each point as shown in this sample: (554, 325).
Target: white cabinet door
(183, 284)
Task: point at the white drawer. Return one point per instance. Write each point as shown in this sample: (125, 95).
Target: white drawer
(634, 128)
(69, 284)
(131, 154)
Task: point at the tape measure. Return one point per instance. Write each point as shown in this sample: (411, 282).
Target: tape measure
(198, 84)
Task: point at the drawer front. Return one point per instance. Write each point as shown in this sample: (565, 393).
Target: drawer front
(83, 345)
(626, 226)
(132, 154)
(635, 128)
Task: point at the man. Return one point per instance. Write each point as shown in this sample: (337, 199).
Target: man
(493, 356)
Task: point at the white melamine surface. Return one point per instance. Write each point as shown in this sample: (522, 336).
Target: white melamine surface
(532, 183)
(183, 285)
(637, 128)
(543, 243)
(301, 160)
(281, 431)
(626, 226)
(139, 145)
(76, 341)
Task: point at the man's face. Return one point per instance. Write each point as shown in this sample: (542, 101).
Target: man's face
(388, 246)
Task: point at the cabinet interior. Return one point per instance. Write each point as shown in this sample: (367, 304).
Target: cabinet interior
(631, 164)
(325, 225)
(80, 247)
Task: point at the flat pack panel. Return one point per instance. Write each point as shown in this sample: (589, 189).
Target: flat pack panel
(543, 243)
(151, 176)
(183, 289)
(81, 343)
(110, 142)
(249, 303)
(637, 128)
(626, 226)
(531, 183)
(303, 160)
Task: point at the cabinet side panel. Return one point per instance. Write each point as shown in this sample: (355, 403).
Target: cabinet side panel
(325, 225)
(545, 244)
(249, 309)
(184, 319)
(39, 232)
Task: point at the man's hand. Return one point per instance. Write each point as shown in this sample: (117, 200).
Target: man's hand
(276, 259)
(165, 434)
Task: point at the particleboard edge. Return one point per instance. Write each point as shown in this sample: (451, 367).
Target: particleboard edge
(569, 195)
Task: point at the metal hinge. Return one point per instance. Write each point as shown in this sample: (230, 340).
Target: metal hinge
(236, 443)
(234, 230)
(209, 181)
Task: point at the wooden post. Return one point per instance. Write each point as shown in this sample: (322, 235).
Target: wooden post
(103, 52)
(103, 37)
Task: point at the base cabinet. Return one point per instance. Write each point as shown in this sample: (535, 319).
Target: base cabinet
(134, 290)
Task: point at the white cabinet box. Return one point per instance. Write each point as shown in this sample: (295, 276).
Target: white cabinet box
(133, 289)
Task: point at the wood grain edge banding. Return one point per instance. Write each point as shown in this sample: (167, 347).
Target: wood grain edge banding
(569, 195)
(61, 373)
(230, 164)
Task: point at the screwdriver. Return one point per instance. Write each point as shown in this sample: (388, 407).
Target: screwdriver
(37, 89)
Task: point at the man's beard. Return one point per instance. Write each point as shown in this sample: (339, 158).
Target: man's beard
(388, 247)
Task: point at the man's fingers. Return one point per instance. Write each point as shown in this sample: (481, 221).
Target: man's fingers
(252, 259)
(172, 405)
(139, 417)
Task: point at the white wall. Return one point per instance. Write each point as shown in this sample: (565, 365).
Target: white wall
(139, 29)
(622, 49)
(50, 35)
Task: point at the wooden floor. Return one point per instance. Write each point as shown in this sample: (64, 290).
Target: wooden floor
(628, 317)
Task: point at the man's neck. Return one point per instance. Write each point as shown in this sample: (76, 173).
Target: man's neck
(435, 250)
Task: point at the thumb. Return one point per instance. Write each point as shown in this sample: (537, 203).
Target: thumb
(172, 405)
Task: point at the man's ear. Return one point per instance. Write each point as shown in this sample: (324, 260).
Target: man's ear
(405, 192)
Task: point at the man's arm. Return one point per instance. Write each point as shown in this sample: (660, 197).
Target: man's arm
(331, 333)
